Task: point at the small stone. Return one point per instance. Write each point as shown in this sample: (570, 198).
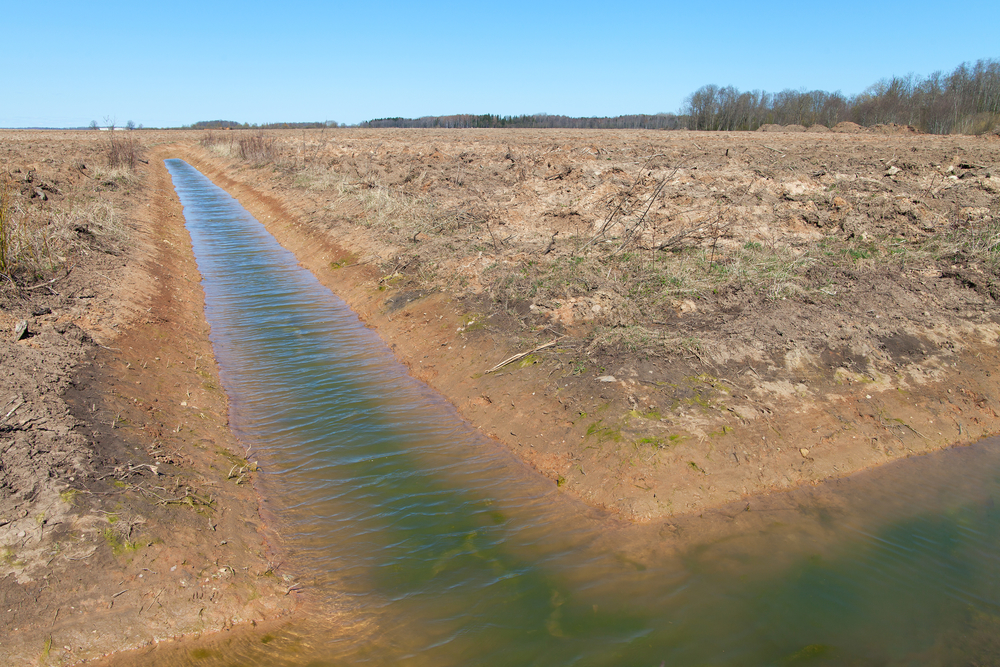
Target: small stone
(607, 378)
(804, 452)
(20, 330)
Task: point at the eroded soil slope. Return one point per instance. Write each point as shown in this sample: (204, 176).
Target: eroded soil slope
(120, 520)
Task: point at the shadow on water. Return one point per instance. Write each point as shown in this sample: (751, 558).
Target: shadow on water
(423, 543)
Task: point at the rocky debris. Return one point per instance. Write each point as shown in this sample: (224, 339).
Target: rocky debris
(20, 330)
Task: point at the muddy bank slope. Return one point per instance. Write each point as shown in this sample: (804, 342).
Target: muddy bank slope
(120, 522)
(723, 314)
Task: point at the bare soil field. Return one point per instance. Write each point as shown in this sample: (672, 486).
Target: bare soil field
(694, 319)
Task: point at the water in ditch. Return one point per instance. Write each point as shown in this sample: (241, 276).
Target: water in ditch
(423, 543)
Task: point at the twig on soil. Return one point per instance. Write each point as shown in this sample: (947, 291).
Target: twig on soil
(621, 202)
(552, 243)
(718, 229)
(496, 247)
(187, 499)
(46, 283)
(521, 355)
(700, 358)
(18, 404)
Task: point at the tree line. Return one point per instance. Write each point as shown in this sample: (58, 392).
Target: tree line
(662, 121)
(964, 101)
(233, 125)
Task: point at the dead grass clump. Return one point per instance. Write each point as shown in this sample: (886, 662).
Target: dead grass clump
(256, 147)
(100, 220)
(968, 243)
(35, 241)
(24, 241)
(123, 150)
(6, 224)
(220, 144)
(114, 178)
(253, 146)
(641, 339)
(372, 205)
(631, 288)
(322, 180)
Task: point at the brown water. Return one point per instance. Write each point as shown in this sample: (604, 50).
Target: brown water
(421, 543)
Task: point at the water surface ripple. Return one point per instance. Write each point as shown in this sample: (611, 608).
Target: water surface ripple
(424, 543)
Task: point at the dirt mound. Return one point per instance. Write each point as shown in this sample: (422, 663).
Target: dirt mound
(818, 127)
(847, 127)
(794, 128)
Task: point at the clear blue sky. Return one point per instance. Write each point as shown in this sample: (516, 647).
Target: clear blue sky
(171, 64)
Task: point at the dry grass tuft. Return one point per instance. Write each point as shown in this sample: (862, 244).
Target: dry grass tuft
(123, 150)
(253, 146)
(35, 241)
(5, 223)
(24, 243)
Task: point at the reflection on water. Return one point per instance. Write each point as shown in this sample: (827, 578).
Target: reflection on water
(421, 543)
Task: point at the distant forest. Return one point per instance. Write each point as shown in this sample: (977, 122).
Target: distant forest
(964, 101)
(660, 121)
(233, 125)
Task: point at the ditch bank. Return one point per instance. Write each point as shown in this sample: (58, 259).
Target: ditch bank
(128, 513)
(780, 392)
